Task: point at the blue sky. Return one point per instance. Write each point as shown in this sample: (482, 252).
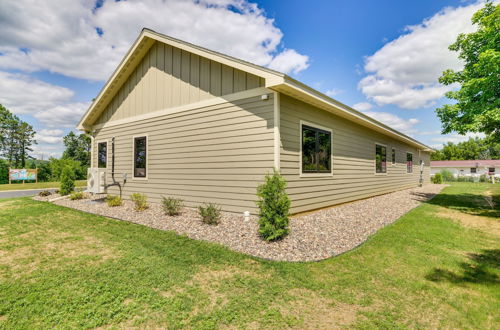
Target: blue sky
(381, 57)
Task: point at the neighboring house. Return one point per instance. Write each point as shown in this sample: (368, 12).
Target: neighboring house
(474, 168)
(195, 124)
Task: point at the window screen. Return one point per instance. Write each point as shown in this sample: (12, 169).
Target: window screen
(316, 150)
(380, 159)
(393, 156)
(473, 170)
(102, 154)
(140, 157)
(409, 162)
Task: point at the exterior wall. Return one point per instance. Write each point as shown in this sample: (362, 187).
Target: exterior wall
(353, 160)
(465, 171)
(169, 77)
(206, 153)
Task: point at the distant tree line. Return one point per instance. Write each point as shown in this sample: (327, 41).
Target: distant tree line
(474, 148)
(16, 140)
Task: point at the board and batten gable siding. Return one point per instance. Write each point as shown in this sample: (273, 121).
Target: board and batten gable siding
(216, 153)
(169, 77)
(353, 161)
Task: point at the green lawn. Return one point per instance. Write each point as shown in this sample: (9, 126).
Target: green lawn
(39, 185)
(437, 266)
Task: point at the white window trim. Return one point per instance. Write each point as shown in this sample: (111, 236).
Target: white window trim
(375, 159)
(312, 175)
(395, 157)
(412, 162)
(107, 153)
(140, 178)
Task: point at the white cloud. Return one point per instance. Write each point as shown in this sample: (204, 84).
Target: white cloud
(362, 106)
(66, 115)
(333, 92)
(405, 71)
(23, 95)
(50, 136)
(438, 141)
(62, 37)
(405, 126)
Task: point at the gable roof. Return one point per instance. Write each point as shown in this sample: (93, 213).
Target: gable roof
(466, 163)
(274, 80)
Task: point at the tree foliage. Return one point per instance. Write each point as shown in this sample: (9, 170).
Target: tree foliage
(469, 150)
(77, 148)
(477, 107)
(67, 181)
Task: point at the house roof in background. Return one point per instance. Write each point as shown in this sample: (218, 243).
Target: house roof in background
(466, 163)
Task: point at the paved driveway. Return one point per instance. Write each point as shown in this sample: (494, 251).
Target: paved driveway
(21, 193)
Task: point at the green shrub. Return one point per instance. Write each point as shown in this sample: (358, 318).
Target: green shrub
(172, 206)
(210, 213)
(76, 195)
(44, 193)
(274, 206)
(141, 201)
(112, 200)
(447, 176)
(483, 178)
(437, 178)
(67, 181)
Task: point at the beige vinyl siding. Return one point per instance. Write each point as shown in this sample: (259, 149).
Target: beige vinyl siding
(217, 153)
(353, 162)
(169, 77)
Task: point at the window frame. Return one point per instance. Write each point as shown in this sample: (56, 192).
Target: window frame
(97, 153)
(475, 170)
(494, 169)
(393, 156)
(411, 153)
(319, 127)
(375, 159)
(133, 157)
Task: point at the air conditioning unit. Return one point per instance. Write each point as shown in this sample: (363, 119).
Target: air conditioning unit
(96, 180)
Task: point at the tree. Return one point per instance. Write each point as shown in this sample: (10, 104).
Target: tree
(67, 181)
(469, 150)
(477, 107)
(77, 148)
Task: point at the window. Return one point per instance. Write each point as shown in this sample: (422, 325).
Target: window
(473, 170)
(140, 151)
(491, 170)
(409, 162)
(316, 150)
(393, 156)
(102, 154)
(380, 159)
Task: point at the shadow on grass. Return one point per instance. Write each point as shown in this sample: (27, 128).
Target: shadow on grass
(473, 204)
(479, 269)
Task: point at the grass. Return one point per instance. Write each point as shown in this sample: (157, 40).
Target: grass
(39, 185)
(436, 267)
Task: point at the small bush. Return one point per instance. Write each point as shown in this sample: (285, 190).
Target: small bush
(113, 200)
(56, 191)
(76, 195)
(483, 178)
(274, 206)
(447, 176)
(437, 178)
(210, 213)
(44, 193)
(172, 206)
(67, 181)
(141, 201)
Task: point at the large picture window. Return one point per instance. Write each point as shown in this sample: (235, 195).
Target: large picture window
(380, 159)
(140, 157)
(316, 150)
(409, 162)
(102, 154)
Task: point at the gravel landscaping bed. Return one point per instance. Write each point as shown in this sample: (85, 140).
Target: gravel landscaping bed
(313, 236)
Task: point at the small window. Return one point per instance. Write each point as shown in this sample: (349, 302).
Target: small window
(102, 154)
(491, 170)
(393, 156)
(380, 159)
(140, 157)
(316, 150)
(409, 162)
(473, 170)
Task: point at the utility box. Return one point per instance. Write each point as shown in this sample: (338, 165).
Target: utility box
(96, 180)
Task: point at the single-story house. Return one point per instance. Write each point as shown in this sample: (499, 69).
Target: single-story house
(176, 119)
(472, 168)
